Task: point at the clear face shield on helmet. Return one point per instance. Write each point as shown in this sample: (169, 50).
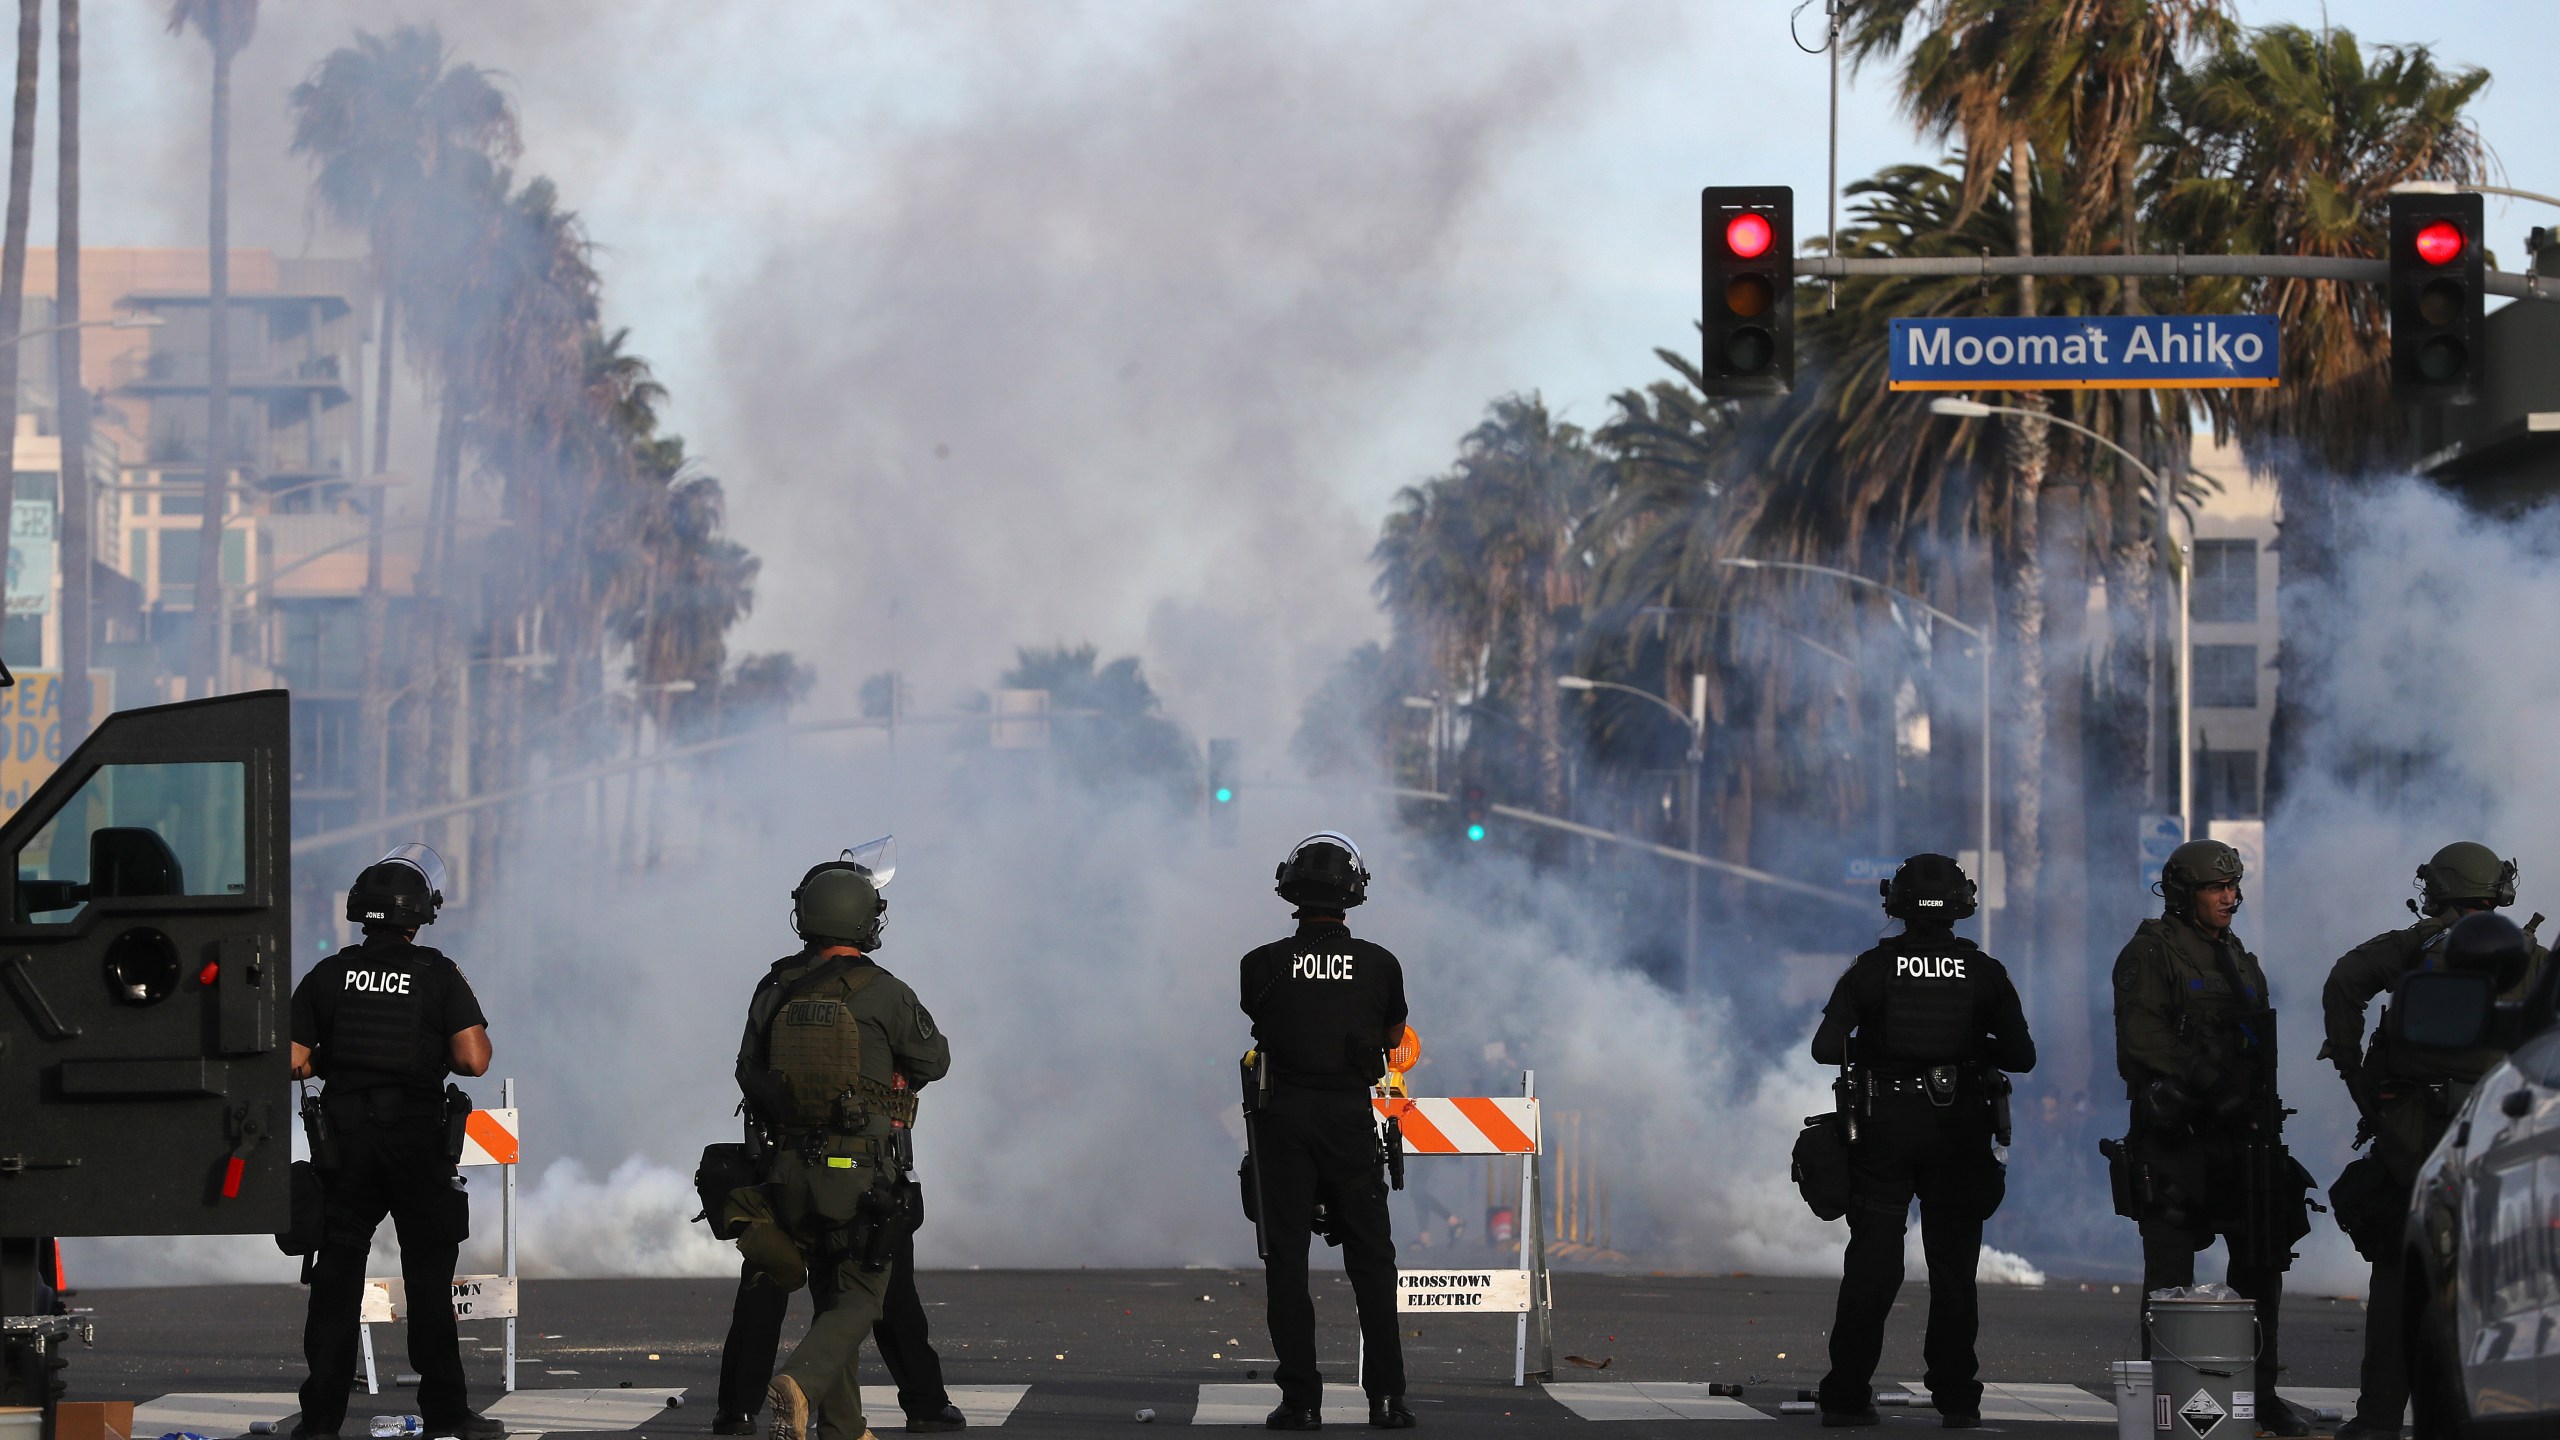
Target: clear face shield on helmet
(1334, 838)
(424, 860)
(875, 858)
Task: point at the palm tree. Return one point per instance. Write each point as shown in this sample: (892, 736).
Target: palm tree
(1485, 561)
(13, 251)
(1115, 738)
(72, 391)
(380, 120)
(2288, 141)
(226, 26)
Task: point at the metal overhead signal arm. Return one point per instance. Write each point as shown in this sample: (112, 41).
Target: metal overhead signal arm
(2174, 267)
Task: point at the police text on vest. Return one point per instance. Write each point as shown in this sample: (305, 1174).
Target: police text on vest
(1320, 967)
(1928, 967)
(380, 982)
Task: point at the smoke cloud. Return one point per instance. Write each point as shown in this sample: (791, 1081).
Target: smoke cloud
(1098, 330)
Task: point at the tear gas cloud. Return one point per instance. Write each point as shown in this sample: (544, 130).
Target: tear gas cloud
(1084, 351)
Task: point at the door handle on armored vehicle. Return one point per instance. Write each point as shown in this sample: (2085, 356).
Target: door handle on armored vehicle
(30, 999)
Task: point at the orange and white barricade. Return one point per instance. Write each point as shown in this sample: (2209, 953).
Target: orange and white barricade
(1485, 1126)
(489, 1137)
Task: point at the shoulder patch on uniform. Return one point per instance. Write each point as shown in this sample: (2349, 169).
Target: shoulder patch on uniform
(924, 1022)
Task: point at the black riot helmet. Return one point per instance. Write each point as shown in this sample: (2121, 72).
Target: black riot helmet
(1928, 889)
(1323, 873)
(2465, 872)
(401, 891)
(2193, 866)
(2490, 944)
(839, 901)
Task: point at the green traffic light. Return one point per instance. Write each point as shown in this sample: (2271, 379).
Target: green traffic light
(1224, 794)
(1475, 832)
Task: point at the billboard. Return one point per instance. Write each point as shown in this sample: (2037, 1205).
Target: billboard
(31, 725)
(31, 557)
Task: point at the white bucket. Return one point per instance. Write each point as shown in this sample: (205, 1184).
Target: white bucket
(2133, 1398)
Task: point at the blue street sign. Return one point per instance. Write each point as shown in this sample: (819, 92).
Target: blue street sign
(2154, 837)
(1864, 871)
(2091, 352)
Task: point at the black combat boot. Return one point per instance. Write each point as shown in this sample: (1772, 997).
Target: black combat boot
(1387, 1412)
(1293, 1417)
(2278, 1417)
(939, 1421)
(733, 1424)
(1834, 1418)
(472, 1426)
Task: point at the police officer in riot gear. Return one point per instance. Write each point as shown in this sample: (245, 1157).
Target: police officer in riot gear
(1926, 1024)
(834, 1052)
(381, 1024)
(1325, 1008)
(2195, 1042)
(2405, 1098)
(903, 1336)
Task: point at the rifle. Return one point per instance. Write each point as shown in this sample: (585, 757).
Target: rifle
(1850, 1098)
(1391, 1150)
(2274, 1188)
(1256, 1074)
(1391, 1087)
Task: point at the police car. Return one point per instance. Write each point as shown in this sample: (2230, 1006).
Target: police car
(2483, 1237)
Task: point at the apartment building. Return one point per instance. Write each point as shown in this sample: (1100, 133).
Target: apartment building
(2232, 599)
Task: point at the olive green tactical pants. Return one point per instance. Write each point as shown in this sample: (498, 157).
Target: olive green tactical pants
(817, 1205)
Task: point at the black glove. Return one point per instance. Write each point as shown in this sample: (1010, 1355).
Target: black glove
(2167, 1106)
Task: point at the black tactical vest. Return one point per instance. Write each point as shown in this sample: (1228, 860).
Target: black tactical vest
(2427, 1067)
(1929, 1005)
(378, 1033)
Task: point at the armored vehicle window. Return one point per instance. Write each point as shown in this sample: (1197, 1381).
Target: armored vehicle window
(139, 830)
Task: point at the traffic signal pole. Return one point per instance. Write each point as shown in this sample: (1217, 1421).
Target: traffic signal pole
(2173, 267)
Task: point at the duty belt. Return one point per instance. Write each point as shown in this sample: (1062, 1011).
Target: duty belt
(1943, 1084)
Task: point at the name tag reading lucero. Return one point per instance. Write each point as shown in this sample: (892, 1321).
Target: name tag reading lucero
(1483, 1292)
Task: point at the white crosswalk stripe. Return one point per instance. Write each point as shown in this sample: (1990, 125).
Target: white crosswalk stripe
(985, 1405)
(1650, 1400)
(2006, 1401)
(222, 1416)
(1247, 1404)
(219, 1416)
(536, 1412)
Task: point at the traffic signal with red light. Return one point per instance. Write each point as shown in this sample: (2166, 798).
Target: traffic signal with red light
(2438, 273)
(1749, 246)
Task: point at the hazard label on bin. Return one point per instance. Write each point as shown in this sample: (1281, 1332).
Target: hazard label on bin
(2202, 1412)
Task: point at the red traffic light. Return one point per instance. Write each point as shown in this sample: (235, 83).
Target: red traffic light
(2440, 242)
(1747, 235)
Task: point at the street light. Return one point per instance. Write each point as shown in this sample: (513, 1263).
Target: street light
(1975, 410)
(1982, 636)
(1695, 722)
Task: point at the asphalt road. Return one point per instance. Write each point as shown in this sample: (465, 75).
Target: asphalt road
(1096, 1347)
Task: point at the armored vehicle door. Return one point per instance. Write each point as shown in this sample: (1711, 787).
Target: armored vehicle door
(145, 900)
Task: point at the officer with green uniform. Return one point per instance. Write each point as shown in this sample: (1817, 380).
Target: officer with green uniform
(2196, 1044)
(834, 1051)
(2407, 1097)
